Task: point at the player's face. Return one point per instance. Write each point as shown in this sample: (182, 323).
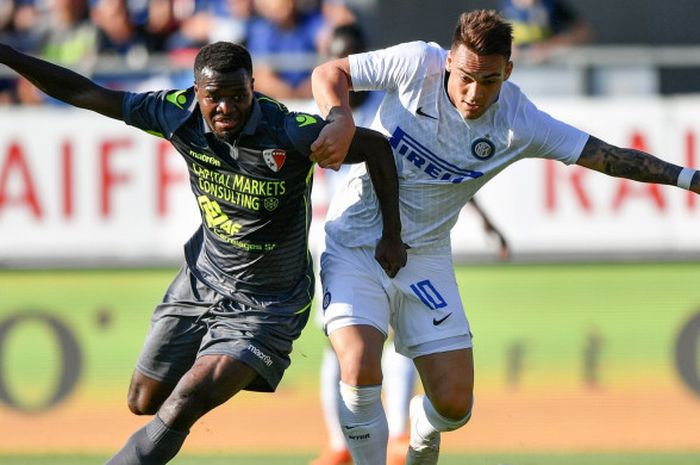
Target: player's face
(475, 80)
(225, 100)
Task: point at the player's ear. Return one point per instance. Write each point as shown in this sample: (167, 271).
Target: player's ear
(448, 61)
(508, 70)
(196, 90)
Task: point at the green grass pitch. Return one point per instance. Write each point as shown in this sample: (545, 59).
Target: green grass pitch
(446, 459)
(638, 308)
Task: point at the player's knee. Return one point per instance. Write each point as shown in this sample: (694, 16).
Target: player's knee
(455, 404)
(360, 366)
(143, 400)
(146, 395)
(361, 371)
(142, 405)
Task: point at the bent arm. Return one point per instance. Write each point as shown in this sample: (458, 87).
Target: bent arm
(373, 149)
(631, 164)
(64, 84)
(331, 85)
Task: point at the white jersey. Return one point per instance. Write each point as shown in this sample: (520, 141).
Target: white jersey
(442, 159)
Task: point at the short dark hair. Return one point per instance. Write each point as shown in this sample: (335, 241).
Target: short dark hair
(223, 57)
(484, 32)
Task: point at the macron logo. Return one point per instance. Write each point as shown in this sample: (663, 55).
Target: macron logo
(267, 360)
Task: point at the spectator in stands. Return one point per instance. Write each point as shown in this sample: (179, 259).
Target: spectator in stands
(25, 17)
(337, 12)
(202, 22)
(7, 85)
(207, 21)
(157, 22)
(64, 35)
(117, 27)
(17, 20)
(7, 12)
(541, 25)
(284, 43)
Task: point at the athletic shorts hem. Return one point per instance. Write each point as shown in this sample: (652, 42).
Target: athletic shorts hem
(154, 375)
(347, 320)
(449, 344)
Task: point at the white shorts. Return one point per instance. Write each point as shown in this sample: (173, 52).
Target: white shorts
(422, 303)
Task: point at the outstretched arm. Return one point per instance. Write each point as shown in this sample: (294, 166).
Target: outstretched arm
(331, 86)
(636, 165)
(374, 150)
(64, 84)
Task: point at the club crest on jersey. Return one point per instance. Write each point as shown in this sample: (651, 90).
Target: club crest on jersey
(271, 203)
(483, 149)
(274, 158)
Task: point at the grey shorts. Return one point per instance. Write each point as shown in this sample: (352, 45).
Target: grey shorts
(194, 320)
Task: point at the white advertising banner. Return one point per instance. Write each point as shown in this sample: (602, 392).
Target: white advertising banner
(545, 207)
(76, 187)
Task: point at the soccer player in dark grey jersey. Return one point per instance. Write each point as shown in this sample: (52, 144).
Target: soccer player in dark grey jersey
(228, 320)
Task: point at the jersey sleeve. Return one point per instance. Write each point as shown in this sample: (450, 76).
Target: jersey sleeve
(391, 68)
(159, 113)
(302, 129)
(548, 137)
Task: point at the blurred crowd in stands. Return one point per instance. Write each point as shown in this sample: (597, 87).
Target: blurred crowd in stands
(285, 37)
(142, 45)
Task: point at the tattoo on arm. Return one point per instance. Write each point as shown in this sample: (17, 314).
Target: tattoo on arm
(627, 163)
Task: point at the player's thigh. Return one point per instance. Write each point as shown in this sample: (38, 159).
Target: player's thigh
(172, 341)
(448, 380)
(169, 351)
(260, 337)
(354, 289)
(428, 316)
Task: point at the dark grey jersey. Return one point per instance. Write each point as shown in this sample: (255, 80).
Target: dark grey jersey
(254, 195)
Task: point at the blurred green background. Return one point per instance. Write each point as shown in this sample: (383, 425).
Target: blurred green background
(536, 328)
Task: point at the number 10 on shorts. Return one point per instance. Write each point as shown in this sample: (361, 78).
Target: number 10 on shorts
(427, 293)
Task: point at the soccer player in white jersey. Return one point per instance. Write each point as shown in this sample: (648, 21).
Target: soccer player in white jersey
(399, 373)
(454, 122)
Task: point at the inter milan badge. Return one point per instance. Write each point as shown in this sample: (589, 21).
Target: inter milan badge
(326, 300)
(274, 158)
(483, 149)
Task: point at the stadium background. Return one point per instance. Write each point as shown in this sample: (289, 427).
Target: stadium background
(587, 341)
